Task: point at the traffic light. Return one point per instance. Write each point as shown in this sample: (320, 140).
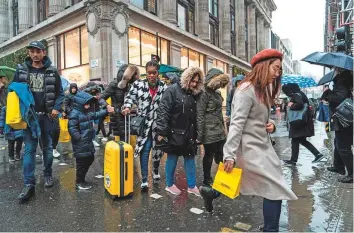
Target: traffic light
(341, 40)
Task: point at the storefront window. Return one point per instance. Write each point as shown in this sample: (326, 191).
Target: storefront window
(144, 44)
(190, 57)
(73, 56)
(72, 48)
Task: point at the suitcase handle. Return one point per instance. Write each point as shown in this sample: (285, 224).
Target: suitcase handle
(127, 133)
(126, 171)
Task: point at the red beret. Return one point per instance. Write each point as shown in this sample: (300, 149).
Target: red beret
(266, 54)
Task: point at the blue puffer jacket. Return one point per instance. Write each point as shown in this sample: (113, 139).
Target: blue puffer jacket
(13, 134)
(81, 125)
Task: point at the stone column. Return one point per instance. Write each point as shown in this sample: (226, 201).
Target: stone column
(107, 25)
(4, 21)
(35, 12)
(203, 25)
(240, 29)
(11, 16)
(267, 35)
(226, 26)
(176, 54)
(56, 6)
(52, 50)
(260, 33)
(252, 36)
(25, 15)
(169, 12)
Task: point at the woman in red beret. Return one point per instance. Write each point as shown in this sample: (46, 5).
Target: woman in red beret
(248, 144)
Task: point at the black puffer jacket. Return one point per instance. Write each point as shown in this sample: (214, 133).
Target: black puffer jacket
(127, 74)
(343, 85)
(81, 125)
(69, 97)
(210, 121)
(176, 115)
(299, 99)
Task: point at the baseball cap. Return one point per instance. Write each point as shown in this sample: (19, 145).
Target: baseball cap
(36, 44)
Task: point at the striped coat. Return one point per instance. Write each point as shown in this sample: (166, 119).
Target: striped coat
(139, 94)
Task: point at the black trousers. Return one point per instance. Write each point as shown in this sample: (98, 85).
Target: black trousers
(15, 145)
(55, 133)
(343, 155)
(212, 151)
(82, 167)
(295, 147)
(102, 128)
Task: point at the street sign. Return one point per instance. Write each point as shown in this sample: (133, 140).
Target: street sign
(119, 63)
(94, 63)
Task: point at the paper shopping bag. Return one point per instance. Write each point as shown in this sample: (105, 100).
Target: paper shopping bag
(228, 183)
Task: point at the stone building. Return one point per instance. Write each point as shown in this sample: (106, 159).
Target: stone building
(90, 39)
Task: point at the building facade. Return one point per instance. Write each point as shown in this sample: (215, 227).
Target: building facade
(297, 67)
(91, 39)
(284, 46)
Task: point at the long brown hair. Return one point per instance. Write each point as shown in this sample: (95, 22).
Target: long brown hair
(258, 77)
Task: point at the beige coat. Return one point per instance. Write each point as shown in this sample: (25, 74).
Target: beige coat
(249, 144)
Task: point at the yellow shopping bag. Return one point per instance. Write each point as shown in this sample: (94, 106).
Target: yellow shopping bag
(228, 183)
(109, 102)
(64, 135)
(13, 112)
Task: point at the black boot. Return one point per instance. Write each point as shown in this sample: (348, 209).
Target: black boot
(48, 181)
(27, 192)
(208, 195)
(208, 181)
(346, 179)
(318, 158)
(335, 170)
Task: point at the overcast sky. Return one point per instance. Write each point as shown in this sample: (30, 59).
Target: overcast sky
(301, 21)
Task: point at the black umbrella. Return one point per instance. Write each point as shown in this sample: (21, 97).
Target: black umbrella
(327, 78)
(339, 60)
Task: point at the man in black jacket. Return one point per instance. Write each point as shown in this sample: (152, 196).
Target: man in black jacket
(343, 155)
(45, 84)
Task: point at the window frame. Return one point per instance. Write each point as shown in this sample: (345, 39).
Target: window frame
(214, 26)
(200, 60)
(73, 2)
(158, 46)
(189, 6)
(44, 4)
(146, 6)
(60, 55)
(15, 18)
(212, 10)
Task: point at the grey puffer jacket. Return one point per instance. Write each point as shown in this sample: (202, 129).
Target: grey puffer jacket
(210, 121)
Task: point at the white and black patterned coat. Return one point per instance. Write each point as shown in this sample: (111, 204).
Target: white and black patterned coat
(139, 94)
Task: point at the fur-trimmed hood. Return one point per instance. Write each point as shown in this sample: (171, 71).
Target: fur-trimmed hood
(187, 76)
(215, 78)
(127, 74)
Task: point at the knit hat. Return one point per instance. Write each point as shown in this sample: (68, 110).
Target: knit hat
(266, 54)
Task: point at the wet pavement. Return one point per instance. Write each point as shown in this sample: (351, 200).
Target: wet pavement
(324, 205)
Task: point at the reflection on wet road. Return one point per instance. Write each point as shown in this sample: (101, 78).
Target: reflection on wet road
(324, 205)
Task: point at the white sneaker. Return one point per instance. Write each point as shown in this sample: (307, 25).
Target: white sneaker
(96, 144)
(104, 140)
(144, 185)
(56, 154)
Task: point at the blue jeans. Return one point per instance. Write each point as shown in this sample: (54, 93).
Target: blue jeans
(271, 215)
(29, 158)
(144, 159)
(189, 168)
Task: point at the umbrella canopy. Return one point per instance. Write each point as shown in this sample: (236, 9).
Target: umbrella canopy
(7, 72)
(167, 69)
(102, 85)
(327, 78)
(300, 80)
(64, 83)
(339, 60)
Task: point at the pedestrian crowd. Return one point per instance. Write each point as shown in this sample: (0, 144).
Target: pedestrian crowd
(176, 119)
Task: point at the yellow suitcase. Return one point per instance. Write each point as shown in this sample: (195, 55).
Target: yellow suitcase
(13, 112)
(119, 168)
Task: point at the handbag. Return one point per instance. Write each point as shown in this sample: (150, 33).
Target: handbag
(228, 184)
(344, 113)
(137, 125)
(298, 118)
